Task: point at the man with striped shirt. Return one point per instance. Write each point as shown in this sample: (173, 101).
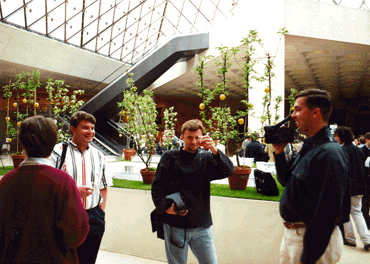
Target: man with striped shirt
(86, 165)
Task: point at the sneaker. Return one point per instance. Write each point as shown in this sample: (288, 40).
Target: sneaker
(367, 247)
(347, 243)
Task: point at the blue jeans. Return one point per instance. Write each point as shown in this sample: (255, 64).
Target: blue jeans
(177, 241)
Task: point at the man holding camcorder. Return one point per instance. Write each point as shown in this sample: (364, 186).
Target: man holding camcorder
(181, 194)
(316, 198)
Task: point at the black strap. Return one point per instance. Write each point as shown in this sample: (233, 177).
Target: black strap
(64, 152)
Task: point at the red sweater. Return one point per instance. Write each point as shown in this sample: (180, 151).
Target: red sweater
(42, 219)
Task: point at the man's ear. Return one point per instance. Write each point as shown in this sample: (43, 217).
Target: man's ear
(73, 129)
(23, 148)
(182, 137)
(317, 112)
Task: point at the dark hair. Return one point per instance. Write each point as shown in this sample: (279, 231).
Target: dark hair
(315, 98)
(367, 136)
(192, 125)
(38, 136)
(345, 134)
(361, 138)
(78, 116)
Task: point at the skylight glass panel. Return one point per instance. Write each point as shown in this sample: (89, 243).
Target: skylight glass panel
(17, 18)
(107, 5)
(35, 10)
(90, 34)
(74, 26)
(106, 20)
(190, 11)
(53, 4)
(56, 18)
(91, 13)
(128, 48)
(58, 33)
(75, 40)
(10, 6)
(39, 26)
(73, 8)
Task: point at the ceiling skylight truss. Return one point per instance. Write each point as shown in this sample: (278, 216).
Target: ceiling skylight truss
(124, 30)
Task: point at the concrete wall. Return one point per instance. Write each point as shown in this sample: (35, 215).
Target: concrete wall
(327, 21)
(245, 231)
(26, 48)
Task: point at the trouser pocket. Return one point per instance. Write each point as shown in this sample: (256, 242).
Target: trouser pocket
(178, 236)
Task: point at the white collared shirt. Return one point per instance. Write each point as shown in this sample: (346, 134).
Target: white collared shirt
(87, 169)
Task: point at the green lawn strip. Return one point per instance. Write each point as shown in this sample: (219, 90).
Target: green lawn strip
(5, 170)
(128, 184)
(222, 190)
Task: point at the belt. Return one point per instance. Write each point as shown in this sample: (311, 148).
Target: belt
(296, 225)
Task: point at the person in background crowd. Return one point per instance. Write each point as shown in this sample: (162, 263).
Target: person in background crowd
(366, 198)
(254, 149)
(356, 166)
(1, 146)
(362, 141)
(42, 219)
(189, 171)
(316, 197)
(219, 146)
(159, 149)
(270, 152)
(86, 165)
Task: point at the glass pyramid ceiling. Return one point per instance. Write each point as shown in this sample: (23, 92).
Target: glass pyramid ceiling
(121, 29)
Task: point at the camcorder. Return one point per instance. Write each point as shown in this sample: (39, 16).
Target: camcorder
(278, 134)
(175, 198)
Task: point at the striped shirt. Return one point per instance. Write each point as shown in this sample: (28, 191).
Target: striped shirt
(87, 169)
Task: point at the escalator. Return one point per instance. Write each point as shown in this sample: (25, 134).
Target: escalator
(104, 104)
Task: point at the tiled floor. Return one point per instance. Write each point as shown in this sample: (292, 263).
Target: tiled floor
(105, 257)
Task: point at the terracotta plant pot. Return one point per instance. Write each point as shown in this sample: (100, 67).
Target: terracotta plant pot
(239, 180)
(148, 176)
(128, 153)
(17, 159)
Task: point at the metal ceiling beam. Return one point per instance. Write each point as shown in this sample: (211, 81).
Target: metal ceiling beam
(1, 13)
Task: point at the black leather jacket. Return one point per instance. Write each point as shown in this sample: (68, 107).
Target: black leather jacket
(316, 191)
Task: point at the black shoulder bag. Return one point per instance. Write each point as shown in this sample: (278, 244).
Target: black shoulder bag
(265, 183)
(64, 152)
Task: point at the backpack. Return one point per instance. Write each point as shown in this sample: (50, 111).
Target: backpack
(265, 183)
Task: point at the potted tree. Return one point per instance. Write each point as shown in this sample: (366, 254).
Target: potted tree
(222, 123)
(61, 103)
(140, 113)
(25, 87)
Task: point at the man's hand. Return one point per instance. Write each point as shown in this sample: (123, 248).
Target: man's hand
(208, 143)
(85, 191)
(279, 147)
(171, 211)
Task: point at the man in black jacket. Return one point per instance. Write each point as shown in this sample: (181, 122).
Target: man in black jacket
(255, 150)
(316, 195)
(344, 136)
(189, 172)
